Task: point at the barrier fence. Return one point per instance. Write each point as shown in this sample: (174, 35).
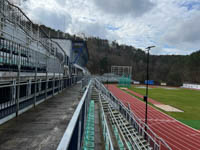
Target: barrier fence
(16, 97)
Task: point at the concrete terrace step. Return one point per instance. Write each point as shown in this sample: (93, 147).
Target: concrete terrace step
(42, 127)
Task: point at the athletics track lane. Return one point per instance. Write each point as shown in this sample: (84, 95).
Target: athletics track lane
(176, 134)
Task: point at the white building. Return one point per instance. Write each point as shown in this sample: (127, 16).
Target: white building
(191, 86)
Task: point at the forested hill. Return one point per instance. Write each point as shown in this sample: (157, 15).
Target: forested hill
(172, 69)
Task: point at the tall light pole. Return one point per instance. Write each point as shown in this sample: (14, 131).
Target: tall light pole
(147, 85)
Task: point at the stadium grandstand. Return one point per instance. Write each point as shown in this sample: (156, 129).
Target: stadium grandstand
(49, 100)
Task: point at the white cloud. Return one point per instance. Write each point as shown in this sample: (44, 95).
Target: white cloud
(121, 8)
(136, 22)
(185, 34)
(168, 51)
(90, 29)
(61, 2)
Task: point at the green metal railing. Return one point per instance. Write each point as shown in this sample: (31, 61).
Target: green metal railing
(118, 138)
(88, 142)
(106, 132)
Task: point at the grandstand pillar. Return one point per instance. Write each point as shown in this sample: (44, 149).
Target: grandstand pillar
(71, 81)
(35, 87)
(46, 85)
(28, 89)
(59, 85)
(67, 82)
(13, 91)
(62, 84)
(53, 87)
(18, 80)
(18, 93)
(40, 86)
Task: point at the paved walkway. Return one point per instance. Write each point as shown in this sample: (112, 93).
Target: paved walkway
(43, 127)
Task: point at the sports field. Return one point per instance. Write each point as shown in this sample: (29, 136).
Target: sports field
(183, 99)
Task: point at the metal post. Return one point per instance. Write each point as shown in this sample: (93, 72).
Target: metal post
(31, 28)
(35, 87)
(18, 93)
(129, 110)
(46, 85)
(40, 86)
(53, 87)
(18, 79)
(79, 130)
(14, 91)
(29, 88)
(59, 84)
(147, 86)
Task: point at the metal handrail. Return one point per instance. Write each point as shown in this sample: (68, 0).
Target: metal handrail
(66, 139)
(106, 125)
(158, 140)
(138, 121)
(129, 132)
(133, 116)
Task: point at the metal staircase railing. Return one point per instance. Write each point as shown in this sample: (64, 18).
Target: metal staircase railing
(129, 134)
(106, 132)
(155, 141)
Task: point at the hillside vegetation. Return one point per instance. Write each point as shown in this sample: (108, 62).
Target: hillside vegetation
(172, 69)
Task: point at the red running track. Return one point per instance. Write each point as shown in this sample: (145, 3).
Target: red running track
(177, 135)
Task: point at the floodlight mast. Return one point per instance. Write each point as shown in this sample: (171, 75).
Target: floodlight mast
(147, 85)
(149, 47)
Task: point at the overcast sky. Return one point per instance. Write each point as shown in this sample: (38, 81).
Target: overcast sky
(173, 26)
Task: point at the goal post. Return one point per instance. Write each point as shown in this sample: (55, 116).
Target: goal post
(125, 71)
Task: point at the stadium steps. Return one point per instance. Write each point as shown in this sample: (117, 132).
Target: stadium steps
(124, 136)
(98, 136)
(128, 134)
(94, 95)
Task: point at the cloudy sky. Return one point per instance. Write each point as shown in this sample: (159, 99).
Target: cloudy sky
(173, 26)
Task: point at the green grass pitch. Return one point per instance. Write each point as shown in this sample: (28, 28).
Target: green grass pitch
(183, 99)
